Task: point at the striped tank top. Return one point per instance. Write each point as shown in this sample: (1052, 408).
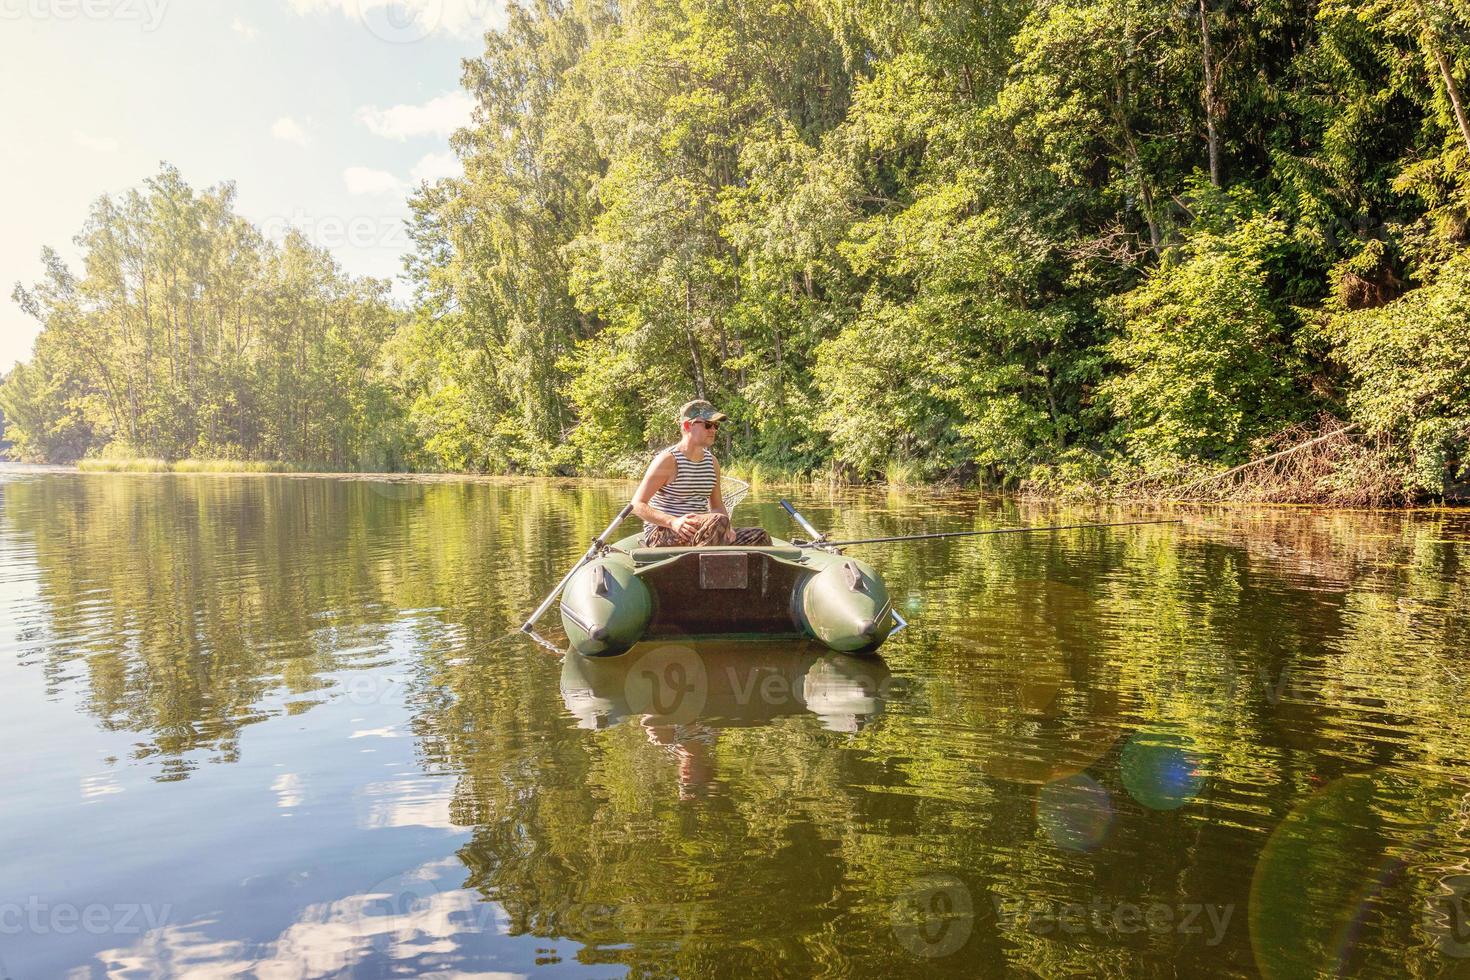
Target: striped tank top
(688, 492)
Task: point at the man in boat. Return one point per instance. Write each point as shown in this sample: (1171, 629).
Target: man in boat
(679, 498)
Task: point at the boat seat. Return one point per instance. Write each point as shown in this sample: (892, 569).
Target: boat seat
(650, 556)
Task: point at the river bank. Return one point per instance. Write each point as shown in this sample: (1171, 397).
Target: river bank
(1188, 487)
(1309, 478)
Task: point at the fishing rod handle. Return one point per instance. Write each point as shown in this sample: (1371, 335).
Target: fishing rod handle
(806, 526)
(622, 516)
(591, 551)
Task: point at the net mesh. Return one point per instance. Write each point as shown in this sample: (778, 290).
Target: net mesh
(732, 491)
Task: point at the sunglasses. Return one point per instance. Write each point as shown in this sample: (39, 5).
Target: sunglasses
(707, 425)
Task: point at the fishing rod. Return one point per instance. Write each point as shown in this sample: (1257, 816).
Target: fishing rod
(972, 534)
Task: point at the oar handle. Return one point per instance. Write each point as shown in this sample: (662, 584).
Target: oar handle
(816, 535)
(592, 550)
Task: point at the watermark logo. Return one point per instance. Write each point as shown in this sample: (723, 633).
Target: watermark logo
(38, 918)
(1043, 917)
(934, 917)
(396, 903)
(400, 21)
(1447, 916)
(388, 231)
(147, 13)
(411, 21)
(669, 682)
(368, 690)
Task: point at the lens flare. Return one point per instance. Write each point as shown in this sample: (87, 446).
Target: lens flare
(1075, 812)
(1160, 771)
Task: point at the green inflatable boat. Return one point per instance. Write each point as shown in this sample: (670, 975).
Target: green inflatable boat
(628, 593)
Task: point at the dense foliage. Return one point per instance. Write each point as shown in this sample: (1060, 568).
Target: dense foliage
(1005, 240)
(189, 335)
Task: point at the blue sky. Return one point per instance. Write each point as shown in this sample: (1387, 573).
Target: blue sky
(323, 112)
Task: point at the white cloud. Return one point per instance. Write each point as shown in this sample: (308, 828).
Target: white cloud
(104, 784)
(390, 731)
(288, 790)
(406, 803)
(365, 180)
(440, 116)
(410, 917)
(289, 131)
(245, 30)
(413, 20)
(97, 144)
(437, 166)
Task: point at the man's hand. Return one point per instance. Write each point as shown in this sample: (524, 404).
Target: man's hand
(686, 526)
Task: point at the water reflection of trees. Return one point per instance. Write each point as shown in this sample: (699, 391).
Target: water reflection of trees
(1285, 649)
(187, 608)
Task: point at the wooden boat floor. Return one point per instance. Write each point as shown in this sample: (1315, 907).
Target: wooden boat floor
(722, 592)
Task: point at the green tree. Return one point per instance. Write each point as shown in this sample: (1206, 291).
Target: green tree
(1410, 365)
(189, 335)
(1207, 349)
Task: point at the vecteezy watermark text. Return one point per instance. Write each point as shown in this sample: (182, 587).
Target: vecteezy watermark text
(934, 917)
(332, 231)
(149, 13)
(1043, 917)
(40, 918)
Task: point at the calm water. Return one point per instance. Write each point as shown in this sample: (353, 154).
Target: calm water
(281, 727)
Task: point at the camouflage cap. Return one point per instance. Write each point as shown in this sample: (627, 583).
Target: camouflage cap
(700, 409)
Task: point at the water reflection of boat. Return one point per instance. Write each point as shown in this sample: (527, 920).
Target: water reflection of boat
(724, 685)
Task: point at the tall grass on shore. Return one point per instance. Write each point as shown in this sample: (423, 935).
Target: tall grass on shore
(143, 465)
(758, 473)
(146, 465)
(903, 473)
(236, 466)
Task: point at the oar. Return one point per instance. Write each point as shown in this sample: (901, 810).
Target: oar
(971, 534)
(592, 551)
(816, 536)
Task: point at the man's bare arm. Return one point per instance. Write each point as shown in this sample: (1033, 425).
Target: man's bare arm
(660, 472)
